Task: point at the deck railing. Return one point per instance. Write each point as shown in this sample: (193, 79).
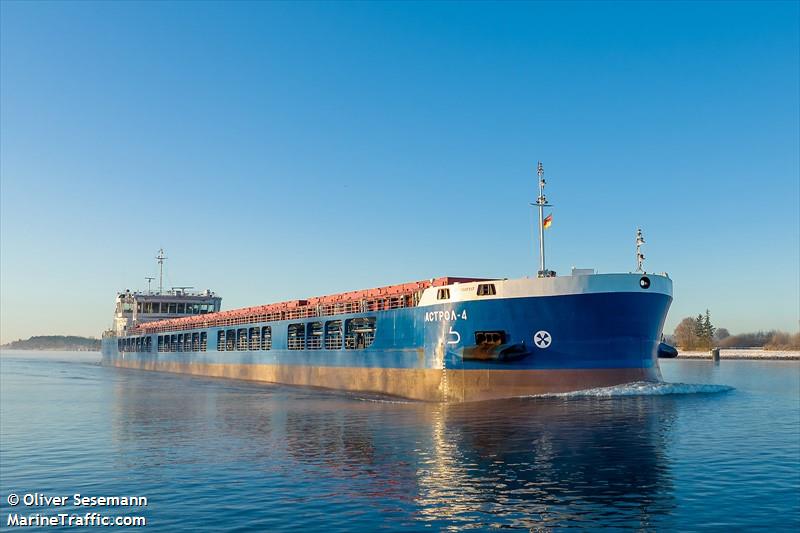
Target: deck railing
(382, 299)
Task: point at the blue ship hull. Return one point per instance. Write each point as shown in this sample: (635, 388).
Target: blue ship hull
(433, 352)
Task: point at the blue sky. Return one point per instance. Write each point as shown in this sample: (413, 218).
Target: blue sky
(287, 150)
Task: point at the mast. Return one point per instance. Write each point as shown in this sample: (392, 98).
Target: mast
(639, 254)
(541, 203)
(161, 258)
(149, 281)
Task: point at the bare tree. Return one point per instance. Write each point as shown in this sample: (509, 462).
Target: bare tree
(684, 334)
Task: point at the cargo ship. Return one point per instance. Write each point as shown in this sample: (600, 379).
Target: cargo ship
(441, 339)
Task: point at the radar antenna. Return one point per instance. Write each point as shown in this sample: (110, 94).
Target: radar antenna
(541, 203)
(161, 258)
(181, 290)
(639, 254)
(149, 280)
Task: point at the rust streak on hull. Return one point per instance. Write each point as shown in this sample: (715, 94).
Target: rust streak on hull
(416, 384)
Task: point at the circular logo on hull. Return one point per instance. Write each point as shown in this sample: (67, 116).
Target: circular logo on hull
(542, 339)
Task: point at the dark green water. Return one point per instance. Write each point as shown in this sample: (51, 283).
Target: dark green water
(235, 456)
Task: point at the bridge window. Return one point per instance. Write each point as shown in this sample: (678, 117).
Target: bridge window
(360, 333)
(195, 342)
(333, 335)
(486, 289)
(148, 343)
(180, 342)
(203, 341)
(221, 341)
(172, 308)
(296, 336)
(181, 309)
(443, 294)
(187, 342)
(266, 338)
(174, 343)
(314, 334)
(230, 340)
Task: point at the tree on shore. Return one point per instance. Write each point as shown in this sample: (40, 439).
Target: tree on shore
(698, 329)
(695, 333)
(769, 340)
(721, 334)
(684, 334)
(708, 330)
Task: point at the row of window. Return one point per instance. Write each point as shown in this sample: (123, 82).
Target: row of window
(244, 339)
(183, 342)
(174, 308)
(357, 334)
(135, 344)
(179, 342)
(484, 289)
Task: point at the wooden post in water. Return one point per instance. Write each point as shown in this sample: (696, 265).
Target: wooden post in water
(715, 354)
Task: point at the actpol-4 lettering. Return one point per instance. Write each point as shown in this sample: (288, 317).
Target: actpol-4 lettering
(445, 316)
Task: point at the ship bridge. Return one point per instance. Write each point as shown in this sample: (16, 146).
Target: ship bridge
(135, 308)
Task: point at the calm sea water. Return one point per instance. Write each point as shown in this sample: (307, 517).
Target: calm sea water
(719, 449)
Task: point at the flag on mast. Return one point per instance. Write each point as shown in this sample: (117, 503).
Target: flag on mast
(548, 221)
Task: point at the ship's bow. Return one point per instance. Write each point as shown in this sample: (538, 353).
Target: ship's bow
(560, 335)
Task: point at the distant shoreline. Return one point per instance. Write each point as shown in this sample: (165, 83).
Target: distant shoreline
(755, 354)
(7, 348)
(64, 343)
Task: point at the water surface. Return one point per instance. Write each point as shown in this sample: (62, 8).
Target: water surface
(717, 449)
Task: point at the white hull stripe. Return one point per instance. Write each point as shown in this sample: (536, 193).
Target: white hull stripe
(558, 286)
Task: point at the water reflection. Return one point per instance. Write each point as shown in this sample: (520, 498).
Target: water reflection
(527, 463)
(544, 462)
